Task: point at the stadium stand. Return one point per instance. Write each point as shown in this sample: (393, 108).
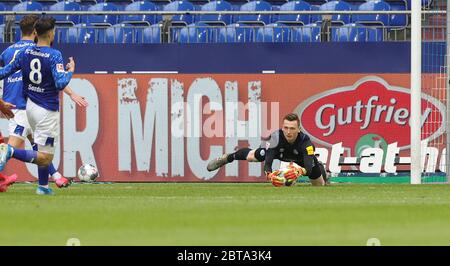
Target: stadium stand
(140, 19)
(150, 34)
(307, 33)
(236, 33)
(295, 19)
(374, 5)
(255, 19)
(66, 6)
(275, 32)
(216, 19)
(2, 18)
(197, 33)
(337, 6)
(355, 33)
(102, 20)
(27, 6)
(232, 28)
(181, 5)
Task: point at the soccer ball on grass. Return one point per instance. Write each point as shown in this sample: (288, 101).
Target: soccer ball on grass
(87, 173)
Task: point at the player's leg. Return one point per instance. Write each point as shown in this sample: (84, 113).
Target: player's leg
(60, 180)
(318, 175)
(6, 181)
(244, 154)
(17, 130)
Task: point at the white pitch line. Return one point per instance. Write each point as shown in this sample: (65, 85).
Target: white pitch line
(268, 71)
(154, 72)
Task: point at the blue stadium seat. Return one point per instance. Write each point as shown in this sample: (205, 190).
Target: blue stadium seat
(61, 34)
(140, 19)
(255, 19)
(115, 1)
(275, 32)
(102, 20)
(315, 18)
(307, 33)
(2, 18)
(66, 6)
(119, 33)
(316, 2)
(26, 6)
(374, 5)
(80, 33)
(85, 5)
(356, 33)
(295, 19)
(180, 5)
(216, 6)
(2, 33)
(236, 33)
(337, 6)
(45, 3)
(151, 34)
(197, 33)
(425, 4)
(398, 20)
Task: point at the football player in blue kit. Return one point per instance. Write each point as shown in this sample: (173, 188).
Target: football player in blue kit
(19, 128)
(43, 77)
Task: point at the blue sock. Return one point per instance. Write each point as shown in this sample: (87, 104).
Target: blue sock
(51, 168)
(43, 175)
(27, 156)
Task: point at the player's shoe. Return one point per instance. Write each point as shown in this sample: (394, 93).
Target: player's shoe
(7, 181)
(217, 163)
(44, 191)
(63, 182)
(5, 155)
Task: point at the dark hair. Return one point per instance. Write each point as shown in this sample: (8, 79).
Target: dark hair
(292, 117)
(44, 24)
(27, 24)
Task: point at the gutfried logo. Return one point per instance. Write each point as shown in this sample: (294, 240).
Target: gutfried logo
(369, 113)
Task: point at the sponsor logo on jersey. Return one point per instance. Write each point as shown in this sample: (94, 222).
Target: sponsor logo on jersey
(60, 68)
(310, 150)
(15, 79)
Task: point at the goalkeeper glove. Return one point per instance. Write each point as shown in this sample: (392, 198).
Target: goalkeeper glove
(294, 172)
(276, 180)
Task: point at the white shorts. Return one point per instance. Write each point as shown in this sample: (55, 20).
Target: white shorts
(45, 126)
(18, 125)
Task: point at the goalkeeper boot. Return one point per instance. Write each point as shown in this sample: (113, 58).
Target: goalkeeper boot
(217, 163)
(44, 191)
(7, 181)
(5, 155)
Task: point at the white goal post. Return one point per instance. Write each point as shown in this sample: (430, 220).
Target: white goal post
(416, 88)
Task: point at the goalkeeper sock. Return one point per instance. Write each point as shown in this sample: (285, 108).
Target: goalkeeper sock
(240, 154)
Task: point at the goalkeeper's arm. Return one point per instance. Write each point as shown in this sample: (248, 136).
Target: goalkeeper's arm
(270, 156)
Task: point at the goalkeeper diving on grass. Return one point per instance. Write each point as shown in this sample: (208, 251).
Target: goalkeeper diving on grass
(287, 144)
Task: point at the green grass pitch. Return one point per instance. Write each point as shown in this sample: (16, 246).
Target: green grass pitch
(226, 214)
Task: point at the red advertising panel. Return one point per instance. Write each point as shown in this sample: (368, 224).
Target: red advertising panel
(165, 128)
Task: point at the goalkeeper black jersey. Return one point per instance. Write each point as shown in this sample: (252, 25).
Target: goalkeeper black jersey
(301, 151)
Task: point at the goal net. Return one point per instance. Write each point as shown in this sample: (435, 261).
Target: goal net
(434, 96)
